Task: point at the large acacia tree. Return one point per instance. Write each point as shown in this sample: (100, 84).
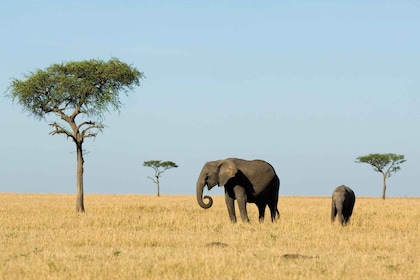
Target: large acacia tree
(78, 94)
(383, 163)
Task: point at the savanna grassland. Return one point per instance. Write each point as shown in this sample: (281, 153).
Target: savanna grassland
(171, 237)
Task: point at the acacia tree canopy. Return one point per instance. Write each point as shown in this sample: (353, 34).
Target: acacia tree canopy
(159, 168)
(383, 163)
(88, 89)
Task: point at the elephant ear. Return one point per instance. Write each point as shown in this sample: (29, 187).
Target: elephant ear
(227, 170)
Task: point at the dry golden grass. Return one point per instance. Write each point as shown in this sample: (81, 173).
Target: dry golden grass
(171, 237)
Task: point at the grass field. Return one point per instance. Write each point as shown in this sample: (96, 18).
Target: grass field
(171, 237)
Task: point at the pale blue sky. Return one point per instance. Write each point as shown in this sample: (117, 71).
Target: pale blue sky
(306, 85)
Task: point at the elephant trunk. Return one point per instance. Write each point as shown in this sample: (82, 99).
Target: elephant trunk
(201, 182)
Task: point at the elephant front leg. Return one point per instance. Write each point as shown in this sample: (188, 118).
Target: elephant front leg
(230, 207)
(240, 195)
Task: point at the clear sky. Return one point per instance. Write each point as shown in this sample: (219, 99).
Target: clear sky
(305, 85)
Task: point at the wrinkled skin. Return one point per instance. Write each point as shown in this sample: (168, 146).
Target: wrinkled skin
(245, 181)
(343, 200)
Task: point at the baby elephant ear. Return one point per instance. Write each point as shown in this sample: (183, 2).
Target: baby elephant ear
(227, 170)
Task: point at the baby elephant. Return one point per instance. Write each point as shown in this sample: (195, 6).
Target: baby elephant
(342, 204)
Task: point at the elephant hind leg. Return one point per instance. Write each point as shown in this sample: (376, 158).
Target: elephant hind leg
(343, 220)
(341, 216)
(274, 213)
(261, 212)
(346, 216)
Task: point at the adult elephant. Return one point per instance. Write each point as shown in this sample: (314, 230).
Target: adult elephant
(343, 200)
(252, 181)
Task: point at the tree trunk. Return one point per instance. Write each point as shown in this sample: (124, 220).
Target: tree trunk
(158, 187)
(384, 189)
(79, 179)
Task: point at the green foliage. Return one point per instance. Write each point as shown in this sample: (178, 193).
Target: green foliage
(88, 87)
(383, 163)
(160, 166)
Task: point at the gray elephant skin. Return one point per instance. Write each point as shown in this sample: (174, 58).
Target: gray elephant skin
(253, 181)
(343, 200)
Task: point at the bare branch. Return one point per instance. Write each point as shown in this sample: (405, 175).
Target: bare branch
(62, 115)
(154, 181)
(84, 123)
(60, 130)
(92, 125)
(76, 111)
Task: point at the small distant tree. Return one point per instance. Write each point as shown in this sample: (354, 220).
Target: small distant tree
(383, 163)
(78, 93)
(159, 168)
